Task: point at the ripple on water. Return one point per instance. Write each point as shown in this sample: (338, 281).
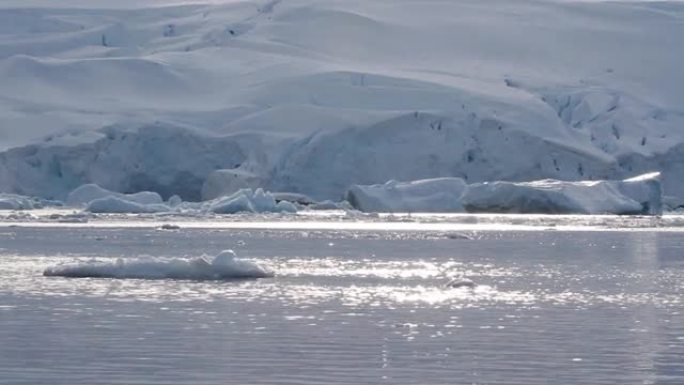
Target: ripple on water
(352, 282)
(371, 311)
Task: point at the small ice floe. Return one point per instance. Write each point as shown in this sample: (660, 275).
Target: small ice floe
(460, 283)
(225, 266)
(168, 226)
(455, 236)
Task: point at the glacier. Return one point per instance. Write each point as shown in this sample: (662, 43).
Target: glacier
(205, 98)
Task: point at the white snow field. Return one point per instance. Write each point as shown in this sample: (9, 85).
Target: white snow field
(313, 96)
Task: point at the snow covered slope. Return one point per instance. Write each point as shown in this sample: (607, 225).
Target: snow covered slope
(313, 96)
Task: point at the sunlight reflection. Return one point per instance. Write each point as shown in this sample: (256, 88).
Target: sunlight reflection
(353, 283)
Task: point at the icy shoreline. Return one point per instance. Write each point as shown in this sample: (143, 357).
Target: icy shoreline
(441, 224)
(641, 195)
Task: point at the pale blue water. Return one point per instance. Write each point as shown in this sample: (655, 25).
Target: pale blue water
(348, 307)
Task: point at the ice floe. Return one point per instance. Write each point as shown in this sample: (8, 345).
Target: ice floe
(225, 266)
(96, 199)
(20, 202)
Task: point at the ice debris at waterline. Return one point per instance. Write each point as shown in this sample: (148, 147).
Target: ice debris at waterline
(20, 202)
(248, 200)
(428, 195)
(96, 199)
(638, 195)
(87, 193)
(225, 266)
(460, 283)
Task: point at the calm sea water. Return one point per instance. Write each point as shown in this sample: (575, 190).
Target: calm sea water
(348, 307)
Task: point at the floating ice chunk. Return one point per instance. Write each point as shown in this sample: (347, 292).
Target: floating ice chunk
(641, 195)
(174, 201)
(428, 195)
(20, 202)
(99, 200)
(144, 198)
(15, 202)
(117, 205)
(87, 193)
(235, 203)
(285, 207)
(224, 266)
(227, 264)
(247, 200)
(460, 283)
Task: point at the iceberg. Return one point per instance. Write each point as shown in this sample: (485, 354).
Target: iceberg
(21, 202)
(427, 195)
(248, 200)
(85, 194)
(117, 205)
(96, 199)
(639, 195)
(15, 202)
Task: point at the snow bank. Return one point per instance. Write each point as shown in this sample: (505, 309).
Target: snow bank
(224, 266)
(641, 195)
(429, 195)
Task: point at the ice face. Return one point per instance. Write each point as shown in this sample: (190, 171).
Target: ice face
(638, 195)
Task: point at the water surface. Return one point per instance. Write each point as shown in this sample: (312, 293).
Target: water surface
(347, 307)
